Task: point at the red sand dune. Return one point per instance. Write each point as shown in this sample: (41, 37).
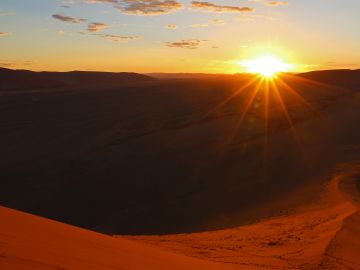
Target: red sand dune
(322, 235)
(29, 242)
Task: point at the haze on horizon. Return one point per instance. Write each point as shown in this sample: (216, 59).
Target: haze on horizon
(177, 35)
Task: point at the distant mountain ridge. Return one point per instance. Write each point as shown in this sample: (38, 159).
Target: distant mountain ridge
(337, 77)
(24, 79)
(15, 79)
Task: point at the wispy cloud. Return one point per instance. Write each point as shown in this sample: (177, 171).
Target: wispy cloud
(210, 7)
(271, 3)
(218, 22)
(197, 25)
(186, 44)
(67, 3)
(118, 38)
(101, 1)
(68, 19)
(5, 13)
(97, 26)
(277, 3)
(171, 26)
(149, 7)
(4, 34)
(14, 63)
(253, 17)
(337, 65)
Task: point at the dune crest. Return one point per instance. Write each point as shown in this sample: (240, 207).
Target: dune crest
(32, 243)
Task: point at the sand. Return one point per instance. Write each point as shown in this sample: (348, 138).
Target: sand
(29, 242)
(320, 235)
(161, 157)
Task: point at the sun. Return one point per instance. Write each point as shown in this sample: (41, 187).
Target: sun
(267, 66)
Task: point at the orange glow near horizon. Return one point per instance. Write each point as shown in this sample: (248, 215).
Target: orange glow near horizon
(267, 66)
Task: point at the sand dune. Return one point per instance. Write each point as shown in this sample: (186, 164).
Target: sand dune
(321, 235)
(28, 242)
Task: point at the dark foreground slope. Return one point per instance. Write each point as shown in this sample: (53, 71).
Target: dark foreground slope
(161, 156)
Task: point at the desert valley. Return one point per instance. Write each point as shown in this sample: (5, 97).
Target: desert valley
(179, 135)
(201, 174)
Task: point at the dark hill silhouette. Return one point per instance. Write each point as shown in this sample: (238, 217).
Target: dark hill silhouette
(20, 79)
(337, 77)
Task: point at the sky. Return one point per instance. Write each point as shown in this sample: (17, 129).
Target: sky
(144, 36)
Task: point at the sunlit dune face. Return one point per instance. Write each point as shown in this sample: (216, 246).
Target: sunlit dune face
(266, 66)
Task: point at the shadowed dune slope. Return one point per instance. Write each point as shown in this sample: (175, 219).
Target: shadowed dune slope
(170, 156)
(322, 235)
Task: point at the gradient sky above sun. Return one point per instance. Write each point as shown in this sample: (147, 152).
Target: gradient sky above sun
(177, 35)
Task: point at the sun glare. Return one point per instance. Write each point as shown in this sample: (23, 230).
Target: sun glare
(267, 66)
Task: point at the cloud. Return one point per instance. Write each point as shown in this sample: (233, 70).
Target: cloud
(101, 1)
(117, 38)
(337, 65)
(186, 44)
(67, 3)
(272, 3)
(245, 18)
(141, 7)
(4, 34)
(218, 22)
(210, 7)
(4, 13)
(197, 25)
(171, 26)
(149, 7)
(14, 63)
(97, 26)
(68, 19)
(277, 3)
